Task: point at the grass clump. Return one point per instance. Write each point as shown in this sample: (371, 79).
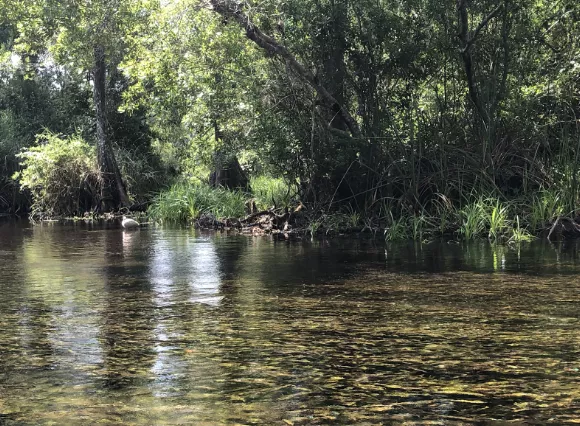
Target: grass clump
(489, 215)
(472, 217)
(418, 225)
(497, 220)
(398, 230)
(519, 234)
(545, 208)
(186, 201)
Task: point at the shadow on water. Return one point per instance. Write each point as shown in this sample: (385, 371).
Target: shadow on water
(173, 326)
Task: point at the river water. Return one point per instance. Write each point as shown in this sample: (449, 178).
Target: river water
(172, 326)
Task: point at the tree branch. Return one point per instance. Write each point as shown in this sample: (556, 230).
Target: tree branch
(482, 25)
(230, 9)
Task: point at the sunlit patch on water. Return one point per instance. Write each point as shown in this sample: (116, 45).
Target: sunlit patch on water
(168, 327)
(205, 280)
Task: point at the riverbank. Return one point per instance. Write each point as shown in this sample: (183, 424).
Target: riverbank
(484, 216)
(272, 207)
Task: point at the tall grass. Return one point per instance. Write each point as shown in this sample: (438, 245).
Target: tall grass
(545, 208)
(472, 218)
(186, 201)
(269, 192)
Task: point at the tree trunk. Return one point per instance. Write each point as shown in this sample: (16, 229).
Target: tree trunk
(227, 170)
(468, 38)
(332, 39)
(113, 192)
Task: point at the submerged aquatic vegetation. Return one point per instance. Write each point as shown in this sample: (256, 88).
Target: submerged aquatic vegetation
(265, 333)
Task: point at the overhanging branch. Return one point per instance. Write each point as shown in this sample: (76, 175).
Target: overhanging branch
(230, 9)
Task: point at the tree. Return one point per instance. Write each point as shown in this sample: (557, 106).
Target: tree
(87, 34)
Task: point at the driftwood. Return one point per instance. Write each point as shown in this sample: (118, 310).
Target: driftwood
(265, 221)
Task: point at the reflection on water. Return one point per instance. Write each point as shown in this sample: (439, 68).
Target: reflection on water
(176, 327)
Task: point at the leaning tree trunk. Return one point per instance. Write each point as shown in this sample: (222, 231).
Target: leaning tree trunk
(230, 9)
(113, 192)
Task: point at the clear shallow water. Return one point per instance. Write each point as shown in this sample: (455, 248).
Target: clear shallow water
(165, 326)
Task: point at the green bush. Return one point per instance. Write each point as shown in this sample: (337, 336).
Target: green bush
(61, 175)
(186, 201)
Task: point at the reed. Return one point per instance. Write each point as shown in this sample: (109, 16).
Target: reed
(473, 219)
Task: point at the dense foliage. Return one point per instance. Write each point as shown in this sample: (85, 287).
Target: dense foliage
(383, 108)
(61, 174)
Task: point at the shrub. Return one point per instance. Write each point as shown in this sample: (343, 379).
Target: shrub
(60, 173)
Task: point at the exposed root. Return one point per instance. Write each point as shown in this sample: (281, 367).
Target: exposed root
(564, 228)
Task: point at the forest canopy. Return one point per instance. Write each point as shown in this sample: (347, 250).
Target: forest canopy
(388, 108)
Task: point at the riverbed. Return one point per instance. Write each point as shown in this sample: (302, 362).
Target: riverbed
(99, 325)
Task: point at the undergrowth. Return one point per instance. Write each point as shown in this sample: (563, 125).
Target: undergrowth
(186, 201)
(271, 192)
(61, 174)
(478, 217)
